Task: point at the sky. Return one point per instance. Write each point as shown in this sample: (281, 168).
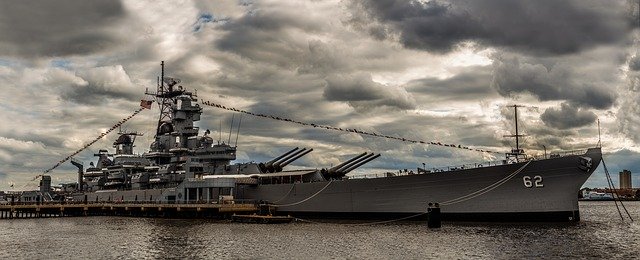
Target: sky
(441, 70)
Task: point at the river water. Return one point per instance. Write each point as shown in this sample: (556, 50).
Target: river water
(600, 234)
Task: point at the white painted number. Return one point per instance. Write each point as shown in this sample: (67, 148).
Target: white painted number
(537, 181)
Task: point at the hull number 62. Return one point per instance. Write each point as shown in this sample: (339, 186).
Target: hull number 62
(536, 181)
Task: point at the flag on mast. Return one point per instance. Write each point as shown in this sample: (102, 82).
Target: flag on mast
(146, 103)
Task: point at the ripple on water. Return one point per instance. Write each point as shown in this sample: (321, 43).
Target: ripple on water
(600, 234)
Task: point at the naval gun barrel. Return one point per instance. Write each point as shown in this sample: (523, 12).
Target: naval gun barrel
(335, 168)
(369, 158)
(296, 157)
(270, 163)
(354, 162)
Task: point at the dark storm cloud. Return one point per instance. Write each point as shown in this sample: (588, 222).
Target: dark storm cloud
(471, 84)
(361, 91)
(267, 34)
(550, 82)
(542, 27)
(567, 116)
(34, 28)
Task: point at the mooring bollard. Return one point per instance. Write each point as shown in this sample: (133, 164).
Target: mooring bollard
(433, 215)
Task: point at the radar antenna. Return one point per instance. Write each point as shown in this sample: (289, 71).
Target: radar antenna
(165, 96)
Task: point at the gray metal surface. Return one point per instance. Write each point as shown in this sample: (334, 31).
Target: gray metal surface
(561, 179)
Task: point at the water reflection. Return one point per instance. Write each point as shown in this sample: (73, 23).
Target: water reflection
(600, 234)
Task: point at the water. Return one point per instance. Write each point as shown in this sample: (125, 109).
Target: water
(600, 234)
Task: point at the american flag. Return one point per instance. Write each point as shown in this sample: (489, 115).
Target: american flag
(146, 103)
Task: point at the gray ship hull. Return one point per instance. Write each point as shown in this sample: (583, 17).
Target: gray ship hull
(537, 190)
(541, 190)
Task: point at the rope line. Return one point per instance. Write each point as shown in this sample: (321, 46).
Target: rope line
(485, 189)
(610, 181)
(293, 185)
(304, 200)
(93, 141)
(348, 130)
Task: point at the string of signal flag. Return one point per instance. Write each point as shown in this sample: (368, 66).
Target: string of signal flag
(144, 105)
(147, 105)
(348, 130)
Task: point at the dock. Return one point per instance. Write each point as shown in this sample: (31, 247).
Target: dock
(165, 210)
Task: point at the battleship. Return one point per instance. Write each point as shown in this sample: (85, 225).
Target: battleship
(186, 165)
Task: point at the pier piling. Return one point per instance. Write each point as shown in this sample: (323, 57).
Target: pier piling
(200, 210)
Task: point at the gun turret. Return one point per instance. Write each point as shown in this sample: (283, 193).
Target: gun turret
(350, 165)
(353, 162)
(268, 166)
(355, 166)
(293, 155)
(296, 157)
(337, 167)
(277, 166)
(270, 163)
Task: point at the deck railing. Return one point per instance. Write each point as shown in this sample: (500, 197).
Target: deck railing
(445, 169)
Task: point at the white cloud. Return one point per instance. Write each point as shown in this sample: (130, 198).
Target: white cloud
(315, 61)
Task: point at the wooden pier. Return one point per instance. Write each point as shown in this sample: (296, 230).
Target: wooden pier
(200, 210)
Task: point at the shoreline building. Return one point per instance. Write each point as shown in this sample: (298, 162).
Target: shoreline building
(625, 180)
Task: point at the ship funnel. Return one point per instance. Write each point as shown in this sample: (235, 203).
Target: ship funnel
(353, 162)
(355, 166)
(296, 157)
(335, 168)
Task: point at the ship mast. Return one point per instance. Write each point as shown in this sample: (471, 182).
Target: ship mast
(517, 153)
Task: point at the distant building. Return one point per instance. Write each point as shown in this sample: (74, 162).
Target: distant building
(625, 179)
(45, 184)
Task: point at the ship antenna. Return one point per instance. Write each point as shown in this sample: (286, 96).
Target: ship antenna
(238, 130)
(231, 128)
(220, 131)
